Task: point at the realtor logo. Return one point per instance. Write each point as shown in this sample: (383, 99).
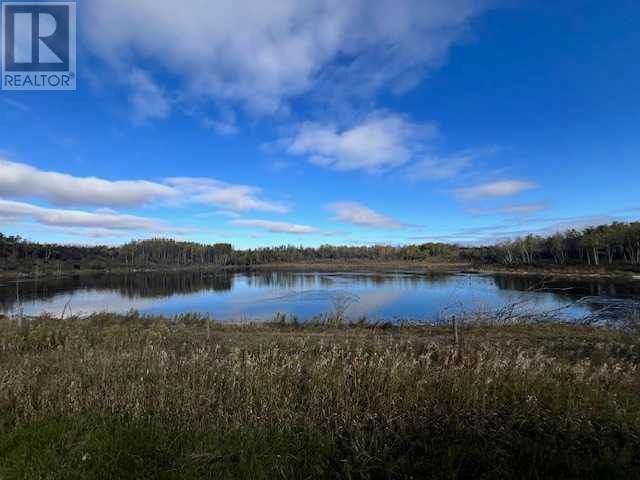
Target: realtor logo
(38, 46)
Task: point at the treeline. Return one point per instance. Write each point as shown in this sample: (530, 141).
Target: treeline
(328, 253)
(19, 254)
(169, 252)
(615, 244)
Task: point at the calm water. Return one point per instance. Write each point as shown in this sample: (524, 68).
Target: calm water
(258, 296)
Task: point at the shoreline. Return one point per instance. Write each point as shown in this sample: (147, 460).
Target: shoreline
(373, 267)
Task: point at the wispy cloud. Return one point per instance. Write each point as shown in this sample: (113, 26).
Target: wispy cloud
(381, 141)
(98, 233)
(227, 213)
(562, 224)
(522, 209)
(85, 233)
(491, 234)
(286, 48)
(358, 214)
(225, 124)
(75, 218)
(437, 168)
(235, 198)
(148, 99)
(277, 227)
(504, 188)
(434, 167)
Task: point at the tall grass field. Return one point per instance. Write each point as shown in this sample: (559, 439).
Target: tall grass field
(109, 397)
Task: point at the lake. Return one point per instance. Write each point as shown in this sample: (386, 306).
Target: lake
(256, 296)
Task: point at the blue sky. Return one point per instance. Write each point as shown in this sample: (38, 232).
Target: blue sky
(268, 123)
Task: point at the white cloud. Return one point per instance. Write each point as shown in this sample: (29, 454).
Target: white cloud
(85, 233)
(98, 233)
(491, 234)
(575, 223)
(444, 168)
(24, 181)
(148, 100)
(225, 125)
(225, 129)
(358, 214)
(20, 180)
(504, 188)
(523, 209)
(235, 198)
(264, 53)
(438, 169)
(380, 142)
(75, 218)
(277, 227)
(227, 213)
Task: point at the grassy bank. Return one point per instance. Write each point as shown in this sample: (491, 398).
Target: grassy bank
(130, 397)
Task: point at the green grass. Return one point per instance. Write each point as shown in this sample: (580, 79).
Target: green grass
(97, 448)
(132, 397)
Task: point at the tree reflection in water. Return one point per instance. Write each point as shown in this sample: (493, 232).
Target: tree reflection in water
(401, 295)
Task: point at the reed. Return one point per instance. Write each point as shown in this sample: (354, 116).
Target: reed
(127, 396)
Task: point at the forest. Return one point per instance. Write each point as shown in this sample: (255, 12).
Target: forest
(614, 244)
(606, 245)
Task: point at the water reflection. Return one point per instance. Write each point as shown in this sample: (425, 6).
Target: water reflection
(390, 296)
(129, 286)
(608, 299)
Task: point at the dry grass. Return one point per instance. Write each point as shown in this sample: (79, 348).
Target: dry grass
(522, 401)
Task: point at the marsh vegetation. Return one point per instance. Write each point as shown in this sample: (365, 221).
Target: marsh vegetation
(137, 396)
